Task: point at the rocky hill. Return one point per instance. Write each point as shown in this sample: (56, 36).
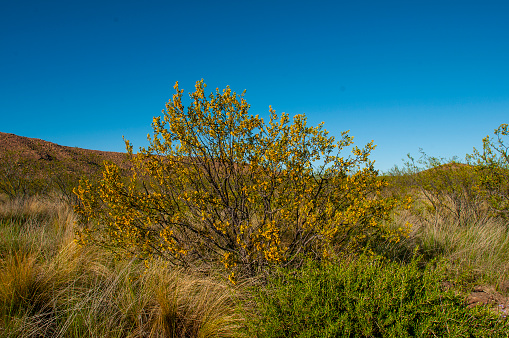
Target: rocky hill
(30, 166)
(27, 151)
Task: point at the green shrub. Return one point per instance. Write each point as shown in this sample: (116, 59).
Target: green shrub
(367, 297)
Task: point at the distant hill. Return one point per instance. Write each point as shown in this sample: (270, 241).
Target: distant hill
(40, 153)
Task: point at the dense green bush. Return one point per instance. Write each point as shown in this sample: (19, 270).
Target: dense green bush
(367, 297)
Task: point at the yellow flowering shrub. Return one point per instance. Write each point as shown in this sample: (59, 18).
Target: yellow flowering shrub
(492, 167)
(218, 185)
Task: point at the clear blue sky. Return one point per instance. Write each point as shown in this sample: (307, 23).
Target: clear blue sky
(407, 74)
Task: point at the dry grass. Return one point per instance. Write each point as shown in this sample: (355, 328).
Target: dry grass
(476, 244)
(51, 287)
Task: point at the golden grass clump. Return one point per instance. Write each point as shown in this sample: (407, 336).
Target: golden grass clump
(49, 286)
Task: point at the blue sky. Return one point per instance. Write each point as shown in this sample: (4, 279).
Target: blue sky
(407, 74)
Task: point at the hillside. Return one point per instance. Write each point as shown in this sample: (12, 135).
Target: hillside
(38, 152)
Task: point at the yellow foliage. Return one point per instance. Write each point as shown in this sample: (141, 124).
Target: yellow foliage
(217, 184)
(492, 167)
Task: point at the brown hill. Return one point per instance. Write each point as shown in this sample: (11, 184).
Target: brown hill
(39, 153)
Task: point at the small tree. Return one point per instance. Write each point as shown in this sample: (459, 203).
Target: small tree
(217, 184)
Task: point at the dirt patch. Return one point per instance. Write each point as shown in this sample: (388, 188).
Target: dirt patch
(487, 295)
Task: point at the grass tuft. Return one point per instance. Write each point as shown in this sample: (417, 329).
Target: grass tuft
(49, 286)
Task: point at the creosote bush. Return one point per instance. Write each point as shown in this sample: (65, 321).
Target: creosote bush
(219, 185)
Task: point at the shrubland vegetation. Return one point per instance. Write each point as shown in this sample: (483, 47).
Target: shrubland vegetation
(458, 212)
(368, 297)
(225, 226)
(217, 185)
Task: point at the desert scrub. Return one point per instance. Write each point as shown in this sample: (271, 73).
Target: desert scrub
(219, 186)
(445, 188)
(19, 177)
(458, 210)
(367, 297)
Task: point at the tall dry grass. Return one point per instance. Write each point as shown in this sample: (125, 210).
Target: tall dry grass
(470, 237)
(50, 287)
